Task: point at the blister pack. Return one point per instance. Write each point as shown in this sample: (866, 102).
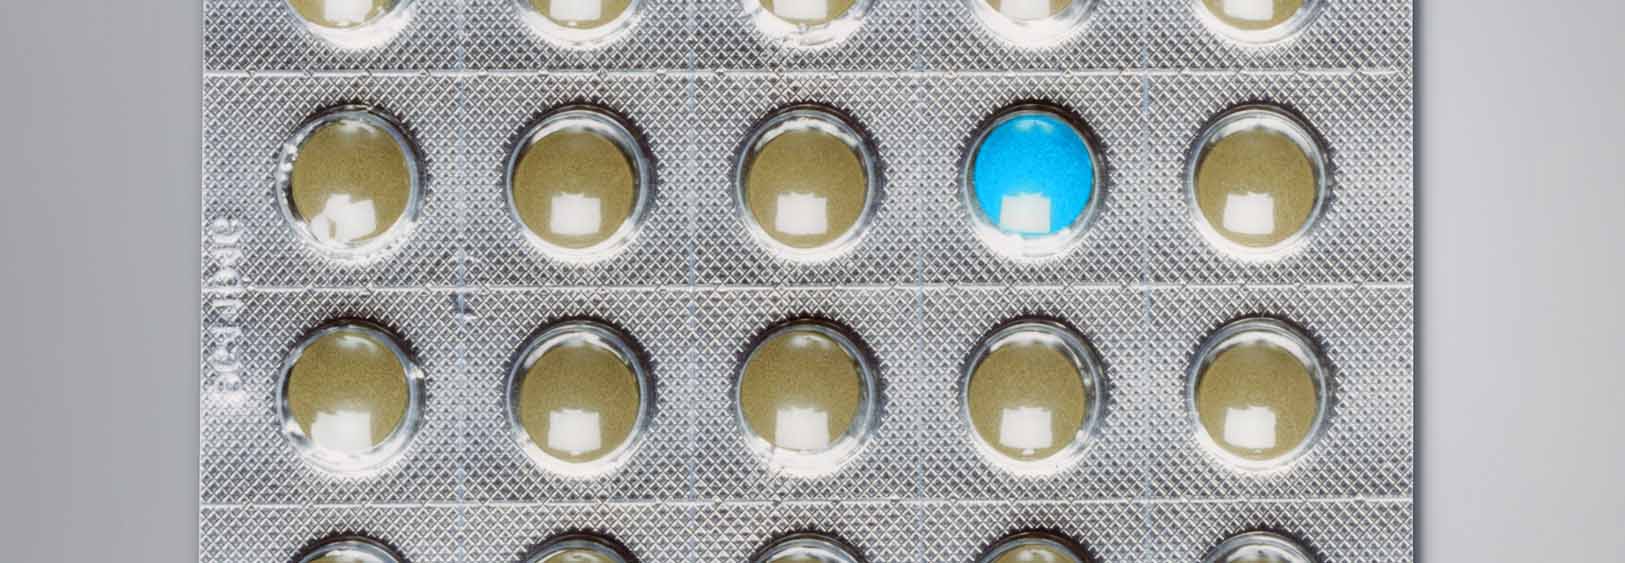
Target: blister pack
(778, 281)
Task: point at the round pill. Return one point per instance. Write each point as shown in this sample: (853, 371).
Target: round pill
(1253, 14)
(1028, 10)
(806, 182)
(806, 390)
(349, 395)
(1031, 181)
(1257, 181)
(1259, 392)
(581, 14)
(578, 182)
(350, 549)
(1259, 547)
(1257, 21)
(1033, 547)
(1030, 392)
(579, 548)
(341, 14)
(808, 12)
(351, 179)
(806, 548)
(580, 396)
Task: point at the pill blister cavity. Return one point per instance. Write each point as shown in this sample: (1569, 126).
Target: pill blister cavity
(1257, 21)
(807, 548)
(1259, 547)
(579, 183)
(806, 397)
(1031, 396)
(1256, 183)
(350, 181)
(351, 396)
(807, 184)
(1258, 389)
(352, 24)
(1034, 547)
(1032, 182)
(349, 549)
(580, 24)
(580, 398)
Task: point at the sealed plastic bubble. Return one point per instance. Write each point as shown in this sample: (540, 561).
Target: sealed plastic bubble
(351, 396)
(807, 548)
(1031, 396)
(808, 183)
(579, 182)
(1259, 547)
(1034, 547)
(1256, 182)
(580, 24)
(1032, 179)
(1257, 21)
(807, 397)
(807, 23)
(353, 24)
(580, 548)
(1032, 23)
(350, 549)
(350, 181)
(1258, 393)
(580, 398)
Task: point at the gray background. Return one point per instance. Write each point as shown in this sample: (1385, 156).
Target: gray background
(1520, 271)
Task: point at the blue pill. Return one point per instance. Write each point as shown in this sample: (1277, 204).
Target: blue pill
(1033, 175)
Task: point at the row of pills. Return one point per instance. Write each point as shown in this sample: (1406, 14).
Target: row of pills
(807, 181)
(815, 547)
(806, 396)
(592, 23)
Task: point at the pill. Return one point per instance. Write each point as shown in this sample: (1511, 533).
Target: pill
(1259, 391)
(808, 12)
(578, 184)
(352, 180)
(579, 396)
(806, 181)
(807, 392)
(341, 14)
(1030, 391)
(1032, 181)
(581, 14)
(1253, 14)
(1258, 181)
(347, 395)
(1029, 10)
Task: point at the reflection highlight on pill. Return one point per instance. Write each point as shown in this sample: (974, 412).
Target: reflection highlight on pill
(808, 12)
(1029, 10)
(1253, 14)
(581, 14)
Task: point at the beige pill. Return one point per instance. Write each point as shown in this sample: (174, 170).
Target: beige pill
(1023, 10)
(1256, 398)
(341, 14)
(801, 390)
(1251, 15)
(574, 187)
(1026, 397)
(1257, 186)
(808, 12)
(350, 183)
(348, 390)
(581, 14)
(805, 186)
(579, 401)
